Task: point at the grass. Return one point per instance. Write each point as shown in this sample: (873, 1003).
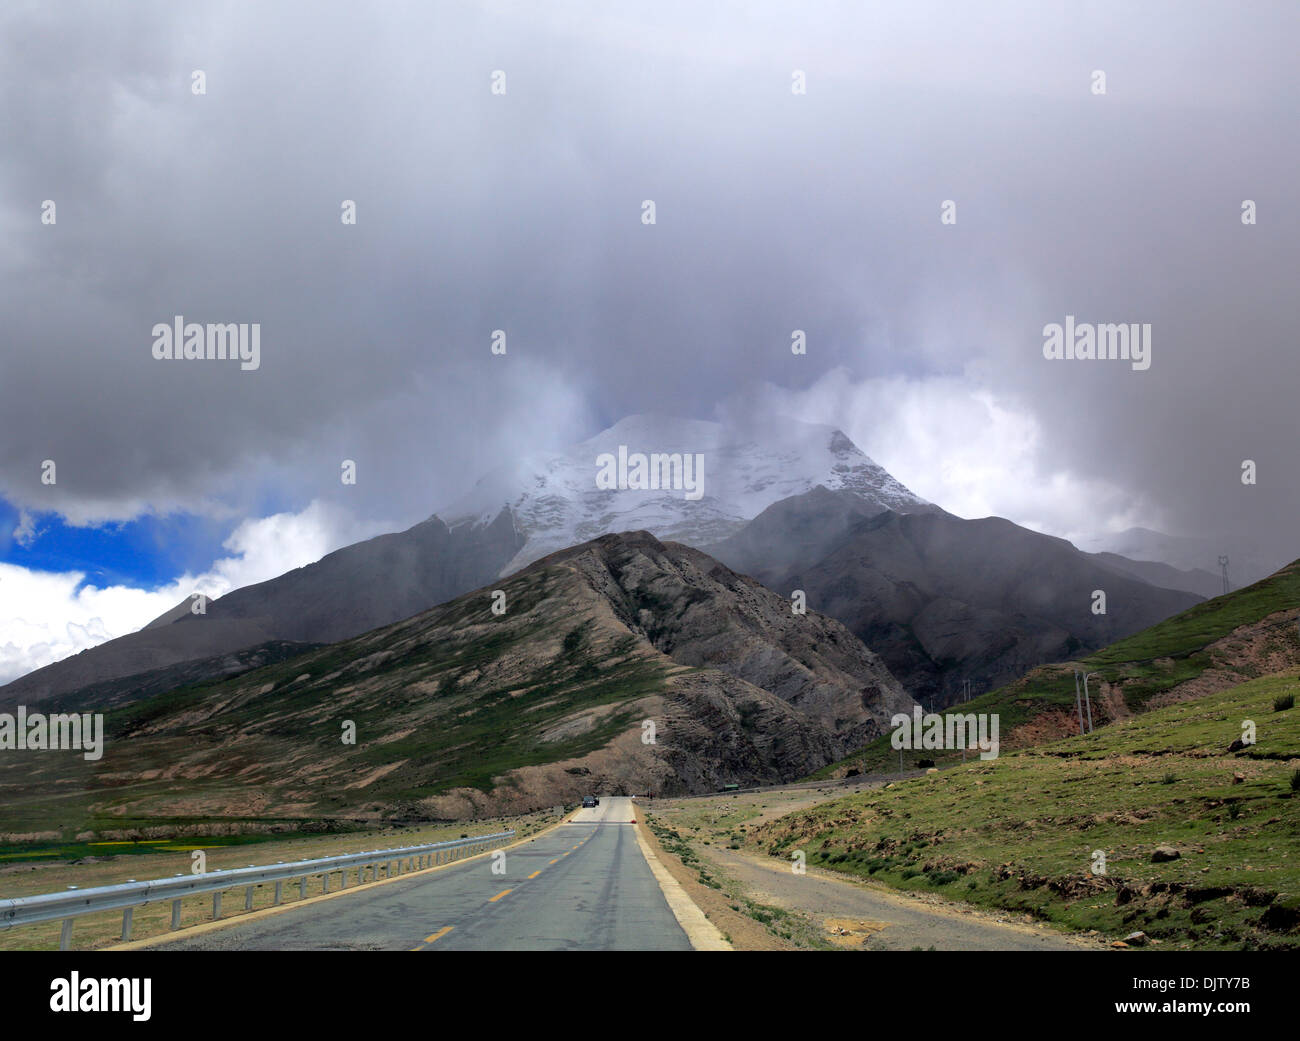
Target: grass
(1024, 831)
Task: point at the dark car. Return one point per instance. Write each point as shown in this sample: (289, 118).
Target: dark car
(589, 801)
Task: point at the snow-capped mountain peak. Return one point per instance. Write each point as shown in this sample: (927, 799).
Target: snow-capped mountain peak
(687, 480)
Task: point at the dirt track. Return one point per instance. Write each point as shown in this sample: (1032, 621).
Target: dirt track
(876, 918)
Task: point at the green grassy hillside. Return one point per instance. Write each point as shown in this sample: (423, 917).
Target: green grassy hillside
(1022, 832)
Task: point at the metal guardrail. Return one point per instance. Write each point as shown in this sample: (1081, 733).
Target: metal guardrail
(74, 903)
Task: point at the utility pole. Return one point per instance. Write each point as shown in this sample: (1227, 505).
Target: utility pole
(1078, 701)
(1086, 700)
(1223, 563)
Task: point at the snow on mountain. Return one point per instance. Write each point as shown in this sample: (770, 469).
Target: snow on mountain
(556, 501)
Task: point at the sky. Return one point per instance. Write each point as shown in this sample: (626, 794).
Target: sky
(476, 210)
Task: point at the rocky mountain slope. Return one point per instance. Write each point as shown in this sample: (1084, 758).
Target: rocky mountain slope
(459, 711)
(940, 598)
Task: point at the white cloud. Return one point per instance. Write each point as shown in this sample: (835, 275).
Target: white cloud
(25, 533)
(46, 616)
(961, 446)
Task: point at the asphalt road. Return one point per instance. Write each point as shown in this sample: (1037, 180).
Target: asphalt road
(582, 886)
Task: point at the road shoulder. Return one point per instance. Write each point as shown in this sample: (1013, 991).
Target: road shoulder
(703, 934)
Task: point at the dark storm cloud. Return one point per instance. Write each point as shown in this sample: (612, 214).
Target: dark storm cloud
(522, 212)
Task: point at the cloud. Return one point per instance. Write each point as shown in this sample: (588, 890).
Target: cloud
(25, 532)
(46, 616)
(957, 443)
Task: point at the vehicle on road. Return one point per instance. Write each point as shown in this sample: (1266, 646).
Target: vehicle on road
(588, 801)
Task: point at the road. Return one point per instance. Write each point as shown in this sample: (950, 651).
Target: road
(584, 885)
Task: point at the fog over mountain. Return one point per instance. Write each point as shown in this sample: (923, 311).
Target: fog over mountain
(557, 500)
(776, 212)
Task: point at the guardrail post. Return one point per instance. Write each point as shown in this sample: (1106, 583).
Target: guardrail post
(278, 891)
(176, 914)
(216, 905)
(302, 888)
(126, 924)
(248, 899)
(325, 880)
(65, 935)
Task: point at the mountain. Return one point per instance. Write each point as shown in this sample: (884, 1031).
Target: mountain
(1207, 649)
(514, 516)
(1197, 581)
(942, 599)
(461, 712)
(556, 502)
(776, 499)
(1248, 561)
(346, 592)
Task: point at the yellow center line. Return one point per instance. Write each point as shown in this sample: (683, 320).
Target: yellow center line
(500, 895)
(535, 873)
(556, 860)
(439, 934)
